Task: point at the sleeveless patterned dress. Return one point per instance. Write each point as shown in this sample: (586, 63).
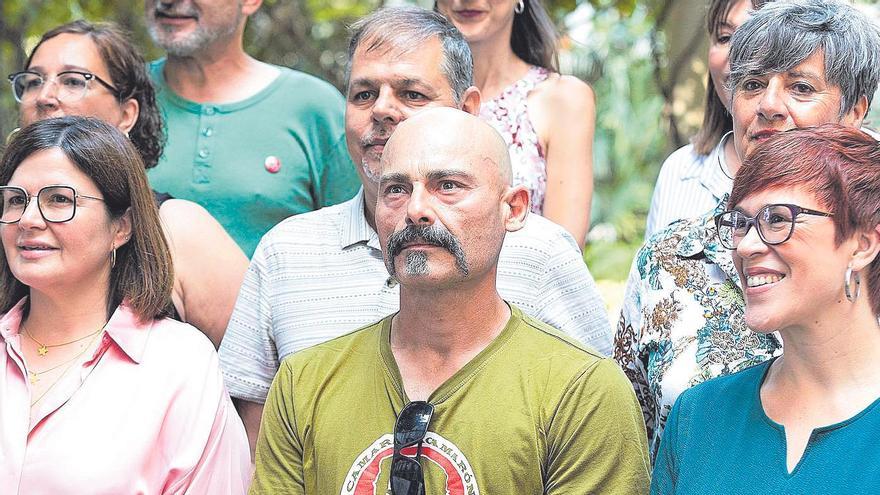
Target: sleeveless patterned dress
(508, 114)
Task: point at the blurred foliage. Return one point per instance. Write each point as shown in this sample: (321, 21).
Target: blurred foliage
(630, 141)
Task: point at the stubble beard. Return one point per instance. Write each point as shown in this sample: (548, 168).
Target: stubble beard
(194, 42)
(416, 263)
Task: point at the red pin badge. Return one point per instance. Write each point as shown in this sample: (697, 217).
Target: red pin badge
(272, 164)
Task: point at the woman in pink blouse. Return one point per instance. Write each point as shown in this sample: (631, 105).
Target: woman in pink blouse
(99, 392)
(547, 119)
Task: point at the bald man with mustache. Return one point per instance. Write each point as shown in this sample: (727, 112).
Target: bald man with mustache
(459, 391)
(321, 274)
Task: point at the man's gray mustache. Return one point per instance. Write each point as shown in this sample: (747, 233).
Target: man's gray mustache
(432, 234)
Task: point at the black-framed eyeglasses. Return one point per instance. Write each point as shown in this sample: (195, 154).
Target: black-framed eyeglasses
(57, 203)
(410, 429)
(775, 224)
(72, 85)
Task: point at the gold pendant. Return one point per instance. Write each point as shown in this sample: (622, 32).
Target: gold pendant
(42, 350)
(34, 378)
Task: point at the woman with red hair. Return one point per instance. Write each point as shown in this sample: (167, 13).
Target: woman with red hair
(804, 226)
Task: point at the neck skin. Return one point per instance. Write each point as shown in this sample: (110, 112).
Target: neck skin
(370, 198)
(495, 65)
(452, 324)
(220, 73)
(61, 317)
(835, 356)
(730, 156)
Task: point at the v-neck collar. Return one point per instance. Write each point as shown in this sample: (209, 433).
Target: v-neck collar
(758, 407)
(460, 377)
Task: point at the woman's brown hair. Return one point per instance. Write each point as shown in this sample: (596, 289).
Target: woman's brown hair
(128, 74)
(840, 165)
(716, 119)
(142, 275)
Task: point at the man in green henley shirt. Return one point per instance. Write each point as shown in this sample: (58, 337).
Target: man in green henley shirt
(251, 142)
(511, 405)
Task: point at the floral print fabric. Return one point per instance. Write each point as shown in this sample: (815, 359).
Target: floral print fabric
(682, 320)
(509, 115)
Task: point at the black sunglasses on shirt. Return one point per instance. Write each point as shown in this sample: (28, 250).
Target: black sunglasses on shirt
(410, 429)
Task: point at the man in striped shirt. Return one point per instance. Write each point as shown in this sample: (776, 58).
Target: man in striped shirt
(319, 275)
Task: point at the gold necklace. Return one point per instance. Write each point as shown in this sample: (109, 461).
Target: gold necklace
(34, 376)
(43, 349)
(69, 364)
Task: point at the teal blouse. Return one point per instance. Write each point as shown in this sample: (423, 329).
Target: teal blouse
(719, 440)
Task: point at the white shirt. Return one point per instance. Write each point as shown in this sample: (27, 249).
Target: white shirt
(319, 275)
(689, 185)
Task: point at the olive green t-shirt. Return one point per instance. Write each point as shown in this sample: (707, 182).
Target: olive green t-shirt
(534, 412)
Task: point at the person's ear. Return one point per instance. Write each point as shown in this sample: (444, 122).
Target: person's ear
(867, 247)
(857, 113)
(130, 111)
(470, 101)
(516, 201)
(123, 229)
(248, 7)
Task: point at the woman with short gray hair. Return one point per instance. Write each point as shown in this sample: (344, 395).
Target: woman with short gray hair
(802, 63)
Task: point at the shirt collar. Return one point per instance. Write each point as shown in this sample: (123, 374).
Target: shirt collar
(129, 333)
(123, 328)
(354, 228)
(10, 323)
(699, 237)
(712, 175)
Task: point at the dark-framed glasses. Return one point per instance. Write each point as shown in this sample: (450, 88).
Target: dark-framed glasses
(409, 430)
(71, 85)
(56, 203)
(775, 224)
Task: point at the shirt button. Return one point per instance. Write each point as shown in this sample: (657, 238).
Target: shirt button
(391, 282)
(207, 132)
(203, 153)
(209, 111)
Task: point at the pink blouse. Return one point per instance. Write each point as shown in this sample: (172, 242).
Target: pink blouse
(508, 113)
(147, 414)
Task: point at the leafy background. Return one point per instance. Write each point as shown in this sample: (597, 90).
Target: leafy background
(645, 61)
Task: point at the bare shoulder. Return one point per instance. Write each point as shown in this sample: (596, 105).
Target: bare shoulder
(191, 229)
(565, 94)
(180, 213)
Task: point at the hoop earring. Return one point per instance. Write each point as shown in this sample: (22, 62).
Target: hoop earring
(847, 281)
(11, 134)
(113, 257)
(520, 7)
